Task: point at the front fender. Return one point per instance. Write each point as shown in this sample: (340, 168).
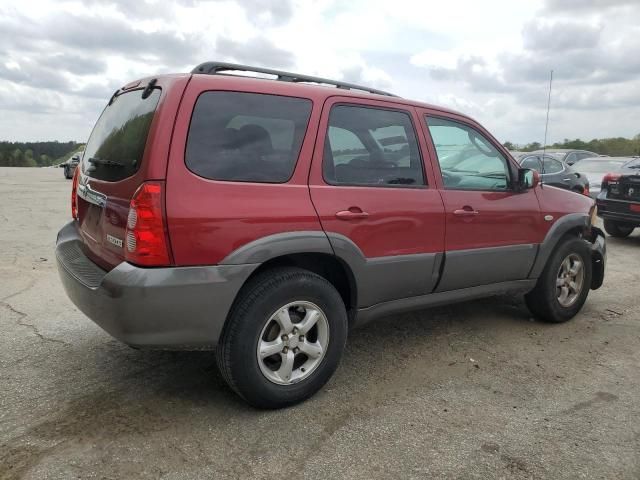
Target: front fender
(562, 226)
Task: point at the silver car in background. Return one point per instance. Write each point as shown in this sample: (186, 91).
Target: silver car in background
(596, 168)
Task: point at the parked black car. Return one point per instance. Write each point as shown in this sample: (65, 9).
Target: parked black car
(70, 165)
(619, 200)
(556, 172)
(569, 156)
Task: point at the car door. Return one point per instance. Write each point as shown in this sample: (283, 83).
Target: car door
(492, 230)
(375, 198)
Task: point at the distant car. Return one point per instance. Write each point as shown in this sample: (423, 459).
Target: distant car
(570, 156)
(619, 200)
(555, 172)
(70, 165)
(596, 168)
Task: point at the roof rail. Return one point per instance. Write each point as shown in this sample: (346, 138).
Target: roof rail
(213, 68)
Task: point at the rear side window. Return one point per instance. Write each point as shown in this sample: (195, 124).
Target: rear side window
(368, 146)
(246, 137)
(116, 145)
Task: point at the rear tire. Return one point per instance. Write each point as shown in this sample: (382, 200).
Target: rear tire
(618, 229)
(317, 324)
(66, 173)
(564, 284)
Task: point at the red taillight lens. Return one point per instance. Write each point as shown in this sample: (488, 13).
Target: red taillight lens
(74, 194)
(146, 236)
(610, 178)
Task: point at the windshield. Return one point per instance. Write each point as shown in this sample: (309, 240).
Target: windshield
(116, 146)
(599, 166)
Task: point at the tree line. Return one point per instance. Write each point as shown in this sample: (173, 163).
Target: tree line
(36, 154)
(614, 147)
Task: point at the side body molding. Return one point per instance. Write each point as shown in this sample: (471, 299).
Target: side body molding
(377, 279)
(382, 279)
(556, 232)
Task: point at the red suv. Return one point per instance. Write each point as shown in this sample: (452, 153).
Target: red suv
(264, 218)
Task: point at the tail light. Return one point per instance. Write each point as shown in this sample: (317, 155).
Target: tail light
(611, 180)
(146, 235)
(74, 194)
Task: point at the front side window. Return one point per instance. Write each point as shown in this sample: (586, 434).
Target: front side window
(551, 165)
(533, 162)
(371, 147)
(116, 145)
(246, 137)
(468, 161)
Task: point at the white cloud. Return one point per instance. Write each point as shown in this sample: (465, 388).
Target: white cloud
(60, 60)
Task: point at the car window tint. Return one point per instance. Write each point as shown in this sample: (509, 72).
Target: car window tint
(118, 140)
(372, 147)
(246, 137)
(532, 162)
(552, 166)
(468, 161)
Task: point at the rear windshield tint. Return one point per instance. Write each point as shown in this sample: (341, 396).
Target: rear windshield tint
(117, 143)
(246, 137)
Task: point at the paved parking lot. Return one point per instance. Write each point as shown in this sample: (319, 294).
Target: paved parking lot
(474, 390)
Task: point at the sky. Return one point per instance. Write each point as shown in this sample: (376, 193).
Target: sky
(60, 61)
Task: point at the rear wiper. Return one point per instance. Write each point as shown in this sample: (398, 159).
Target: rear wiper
(105, 162)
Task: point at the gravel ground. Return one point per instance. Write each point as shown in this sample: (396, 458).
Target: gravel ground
(473, 390)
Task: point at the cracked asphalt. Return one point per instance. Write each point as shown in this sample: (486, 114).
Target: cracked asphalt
(473, 390)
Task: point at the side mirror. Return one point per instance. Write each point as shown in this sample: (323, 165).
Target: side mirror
(528, 178)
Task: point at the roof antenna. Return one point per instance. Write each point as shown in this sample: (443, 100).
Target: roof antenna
(546, 127)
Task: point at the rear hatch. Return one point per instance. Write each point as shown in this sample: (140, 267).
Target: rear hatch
(116, 161)
(626, 188)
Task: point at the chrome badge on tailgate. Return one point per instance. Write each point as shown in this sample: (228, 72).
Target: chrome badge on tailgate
(116, 241)
(87, 193)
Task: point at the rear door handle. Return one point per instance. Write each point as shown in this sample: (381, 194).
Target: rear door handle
(465, 212)
(354, 213)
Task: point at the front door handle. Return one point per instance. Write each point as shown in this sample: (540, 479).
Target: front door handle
(466, 211)
(353, 213)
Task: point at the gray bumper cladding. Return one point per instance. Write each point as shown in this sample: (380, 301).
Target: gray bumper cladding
(167, 308)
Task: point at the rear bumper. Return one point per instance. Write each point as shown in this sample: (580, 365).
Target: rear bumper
(617, 210)
(166, 308)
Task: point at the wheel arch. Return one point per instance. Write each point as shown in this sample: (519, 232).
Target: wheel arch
(572, 225)
(309, 250)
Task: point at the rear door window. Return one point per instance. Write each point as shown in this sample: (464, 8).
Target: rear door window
(116, 145)
(368, 146)
(246, 137)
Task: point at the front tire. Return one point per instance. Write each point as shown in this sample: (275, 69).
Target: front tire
(564, 284)
(284, 337)
(618, 229)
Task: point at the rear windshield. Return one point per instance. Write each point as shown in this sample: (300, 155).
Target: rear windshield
(598, 165)
(246, 137)
(116, 145)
